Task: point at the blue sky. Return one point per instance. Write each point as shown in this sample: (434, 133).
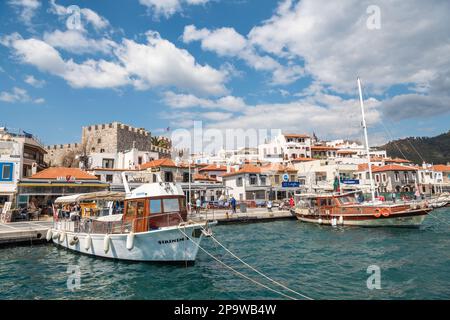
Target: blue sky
(289, 65)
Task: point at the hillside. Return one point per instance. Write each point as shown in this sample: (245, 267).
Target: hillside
(434, 150)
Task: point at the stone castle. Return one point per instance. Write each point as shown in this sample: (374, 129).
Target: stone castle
(113, 137)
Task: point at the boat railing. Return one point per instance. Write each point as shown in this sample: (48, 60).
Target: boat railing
(94, 226)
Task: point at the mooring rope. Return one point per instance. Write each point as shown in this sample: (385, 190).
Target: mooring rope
(234, 270)
(259, 272)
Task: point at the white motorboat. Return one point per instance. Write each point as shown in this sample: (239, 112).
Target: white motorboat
(152, 227)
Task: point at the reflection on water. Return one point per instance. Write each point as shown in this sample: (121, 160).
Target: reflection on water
(319, 261)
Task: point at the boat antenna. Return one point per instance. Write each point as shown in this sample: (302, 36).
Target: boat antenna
(372, 187)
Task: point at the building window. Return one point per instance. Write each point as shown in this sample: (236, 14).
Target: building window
(108, 163)
(263, 180)
(397, 177)
(6, 171)
(239, 182)
(168, 176)
(99, 140)
(139, 160)
(253, 180)
(109, 178)
(277, 179)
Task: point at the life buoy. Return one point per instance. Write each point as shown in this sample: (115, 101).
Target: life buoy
(377, 213)
(385, 212)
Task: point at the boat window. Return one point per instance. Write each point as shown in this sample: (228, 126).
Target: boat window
(182, 204)
(155, 206)
(131, 209)
(171, 205)
(346, 200)
(323, 202)
(140, 208)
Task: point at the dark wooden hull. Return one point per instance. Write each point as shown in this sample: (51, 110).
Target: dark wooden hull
(406, 218)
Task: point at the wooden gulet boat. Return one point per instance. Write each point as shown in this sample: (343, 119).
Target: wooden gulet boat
(338, 209)
(344, 209)
(153, 225)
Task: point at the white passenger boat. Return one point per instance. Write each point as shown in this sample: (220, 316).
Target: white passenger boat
(152, 227)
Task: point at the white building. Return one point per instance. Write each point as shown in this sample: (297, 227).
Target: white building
(128, 160)
(21, 155)
(285, 147)
(224, 157)
(319, 175)
(247, 183)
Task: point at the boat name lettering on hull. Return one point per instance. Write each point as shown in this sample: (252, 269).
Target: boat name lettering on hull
(172, 240)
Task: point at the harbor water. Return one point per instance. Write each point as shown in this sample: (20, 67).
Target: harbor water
(319, 261)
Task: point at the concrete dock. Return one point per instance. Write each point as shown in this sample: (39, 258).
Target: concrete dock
(251, 216)
(28, 232)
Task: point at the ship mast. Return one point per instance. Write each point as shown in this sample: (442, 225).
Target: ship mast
(372, 187)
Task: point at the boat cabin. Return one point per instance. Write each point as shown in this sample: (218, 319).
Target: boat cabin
(150, 213)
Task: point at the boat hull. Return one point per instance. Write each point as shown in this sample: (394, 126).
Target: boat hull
(409, 219)
(163, 245)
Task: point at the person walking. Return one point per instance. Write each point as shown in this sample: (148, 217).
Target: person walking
(198, 205)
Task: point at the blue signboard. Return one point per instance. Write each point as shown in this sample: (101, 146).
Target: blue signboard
(290, 184)
(350, 181)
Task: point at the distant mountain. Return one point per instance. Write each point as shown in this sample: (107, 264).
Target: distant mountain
(434, 150)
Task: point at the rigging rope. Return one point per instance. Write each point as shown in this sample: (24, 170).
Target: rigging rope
(234, 270)
(258, 272)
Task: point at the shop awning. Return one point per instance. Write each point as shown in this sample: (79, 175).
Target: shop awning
(102, 195)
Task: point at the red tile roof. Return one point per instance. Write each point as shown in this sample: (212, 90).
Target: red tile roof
(201, 177)
(302, 159)
(441, 167)
(396, 160)
(246, 168)
(389, 167)
(323, 148)
(295, 135)
(277, 167)
(169, 163)
(393, 167)
(213, 167)
(60, 172)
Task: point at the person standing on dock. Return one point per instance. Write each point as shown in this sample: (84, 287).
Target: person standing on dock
(233, 204)
(291, 202)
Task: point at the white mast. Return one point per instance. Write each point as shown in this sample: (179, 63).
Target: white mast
(372, 187)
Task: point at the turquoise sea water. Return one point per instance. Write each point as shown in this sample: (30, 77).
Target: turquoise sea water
(319, 261)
